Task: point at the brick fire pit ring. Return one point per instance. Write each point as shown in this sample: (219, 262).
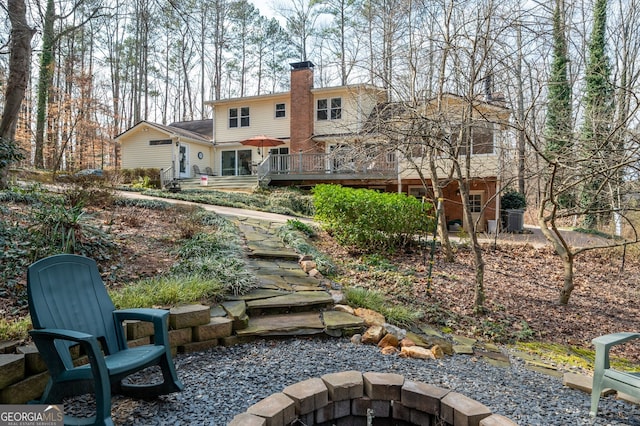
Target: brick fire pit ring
(355, 398)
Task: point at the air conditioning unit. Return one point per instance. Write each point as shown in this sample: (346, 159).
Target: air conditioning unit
(515, 220)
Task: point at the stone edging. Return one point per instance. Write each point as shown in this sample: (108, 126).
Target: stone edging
(351, 398)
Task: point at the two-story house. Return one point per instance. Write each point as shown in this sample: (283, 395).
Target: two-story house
(312, 124)
(321, 135)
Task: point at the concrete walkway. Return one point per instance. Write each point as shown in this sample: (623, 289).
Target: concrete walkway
(531, 235)
(231, 212)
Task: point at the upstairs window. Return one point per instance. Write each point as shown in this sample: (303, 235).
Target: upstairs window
(336, 109)
(281, 111)
(329, 109)
(239, 117)
(481, 139)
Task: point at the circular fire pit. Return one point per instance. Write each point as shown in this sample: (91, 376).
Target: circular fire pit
(354, 398)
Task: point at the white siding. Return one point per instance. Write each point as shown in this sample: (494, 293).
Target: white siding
(136, 151)
(206, 161)
(357, 104)
(262, 119)
(482, 166)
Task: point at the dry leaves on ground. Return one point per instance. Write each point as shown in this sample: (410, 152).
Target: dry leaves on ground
(522, 286)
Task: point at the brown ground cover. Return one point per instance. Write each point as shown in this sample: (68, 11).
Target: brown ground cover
(522, 285)
(521, 282)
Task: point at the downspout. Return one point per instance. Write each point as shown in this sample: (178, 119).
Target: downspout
(398, 172)
(498, 188)
(176, 156)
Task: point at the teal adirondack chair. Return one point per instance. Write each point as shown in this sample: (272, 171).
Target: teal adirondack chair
(606, 377)
(69, 305)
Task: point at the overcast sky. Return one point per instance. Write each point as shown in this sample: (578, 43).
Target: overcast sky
(265, 6)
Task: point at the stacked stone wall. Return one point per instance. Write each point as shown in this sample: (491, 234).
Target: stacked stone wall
(23, 373)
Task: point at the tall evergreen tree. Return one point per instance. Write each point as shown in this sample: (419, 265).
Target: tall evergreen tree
(598, 116)
(559, 122)
(558, 129)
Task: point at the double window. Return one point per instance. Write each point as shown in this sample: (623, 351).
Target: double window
(239, 117)
(482, 139)
(329, 109)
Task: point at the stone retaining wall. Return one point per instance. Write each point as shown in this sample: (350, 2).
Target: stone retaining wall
(352, 398)
(23, 373)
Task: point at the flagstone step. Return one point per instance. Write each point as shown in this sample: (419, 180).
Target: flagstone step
(290, 302)
(262, 252)
(301, 324)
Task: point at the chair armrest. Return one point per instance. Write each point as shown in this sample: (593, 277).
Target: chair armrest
(140, 314)
(609, 340)
(604, 343)
(59, 362)
(50, 334)
(156, 316)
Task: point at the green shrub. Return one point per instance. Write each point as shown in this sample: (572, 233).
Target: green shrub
(142, 183)
(394, 314)
(216, 254)
(305, 228)
(295, 234)
(284, 201)
(512, 199)
(17, 329)
(290, 201)
(60, 228)
(371, 220)
(167, 291)
(131, 176)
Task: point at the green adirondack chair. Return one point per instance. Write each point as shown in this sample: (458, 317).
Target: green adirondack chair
(606, 377)
(69, 306)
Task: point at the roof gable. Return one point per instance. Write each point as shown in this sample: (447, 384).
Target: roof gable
(180, 130)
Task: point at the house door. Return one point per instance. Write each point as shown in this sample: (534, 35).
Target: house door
(236, 162)
(184, 161)
(476, 204)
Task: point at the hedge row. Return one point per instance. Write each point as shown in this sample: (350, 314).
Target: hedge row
(370, 220)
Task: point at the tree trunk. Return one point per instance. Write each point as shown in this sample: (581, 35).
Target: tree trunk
(44, 82)
(567, 286)
(561, 247)
(479, 299)
(19, 59)
(479, 264)
(442, 220)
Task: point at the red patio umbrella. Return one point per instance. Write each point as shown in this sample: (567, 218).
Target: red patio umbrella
(262, 141)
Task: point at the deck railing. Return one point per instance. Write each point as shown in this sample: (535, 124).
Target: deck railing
(327, 164)
(166, 176)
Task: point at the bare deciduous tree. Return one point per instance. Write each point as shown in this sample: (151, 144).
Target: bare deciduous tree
(19, 60)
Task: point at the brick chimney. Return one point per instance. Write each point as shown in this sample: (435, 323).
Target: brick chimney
(302, 107)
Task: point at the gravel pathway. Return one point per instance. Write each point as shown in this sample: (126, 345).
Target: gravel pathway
(223, 382)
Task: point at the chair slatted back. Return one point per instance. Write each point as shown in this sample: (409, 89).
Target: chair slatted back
(66, 291)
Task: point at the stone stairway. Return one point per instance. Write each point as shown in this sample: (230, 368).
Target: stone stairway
(288, 301)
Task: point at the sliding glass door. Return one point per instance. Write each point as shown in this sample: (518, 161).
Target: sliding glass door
(236, 162)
